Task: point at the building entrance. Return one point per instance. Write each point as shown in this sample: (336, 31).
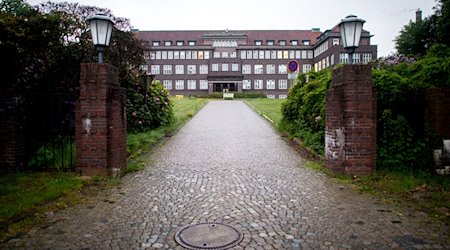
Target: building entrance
(220, 87)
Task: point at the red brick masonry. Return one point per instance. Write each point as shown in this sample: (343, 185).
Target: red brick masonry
(100, 122)
(350, 125)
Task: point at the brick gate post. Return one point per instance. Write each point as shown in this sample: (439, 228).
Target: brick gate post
(100, 122)
(350, 125)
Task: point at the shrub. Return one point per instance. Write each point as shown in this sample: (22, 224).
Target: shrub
(148, 109)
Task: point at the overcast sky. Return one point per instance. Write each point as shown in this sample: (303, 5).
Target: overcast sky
(384, 18)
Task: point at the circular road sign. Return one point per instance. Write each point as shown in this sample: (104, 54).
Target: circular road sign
(293, 66)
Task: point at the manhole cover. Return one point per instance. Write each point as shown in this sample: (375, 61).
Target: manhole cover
(208, 236)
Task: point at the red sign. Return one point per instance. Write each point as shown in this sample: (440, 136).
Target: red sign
(293, 66)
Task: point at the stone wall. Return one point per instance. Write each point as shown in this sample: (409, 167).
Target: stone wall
(350, 125)
(101, 122)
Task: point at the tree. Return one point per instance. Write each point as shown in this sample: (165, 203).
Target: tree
(15, 7)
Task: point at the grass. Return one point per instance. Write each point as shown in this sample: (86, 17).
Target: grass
(270, 108)
(184, 109)
(420, 190)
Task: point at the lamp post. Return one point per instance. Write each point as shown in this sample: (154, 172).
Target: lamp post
(351, 29)
(101, 28)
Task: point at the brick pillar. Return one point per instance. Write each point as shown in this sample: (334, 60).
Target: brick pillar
(350, 125)
(239, 87)
(437, 111)
(12, 134)
(101, 122)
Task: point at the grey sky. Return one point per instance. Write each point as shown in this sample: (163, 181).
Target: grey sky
(384, 18)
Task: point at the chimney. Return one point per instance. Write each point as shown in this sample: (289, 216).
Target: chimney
(418, 15)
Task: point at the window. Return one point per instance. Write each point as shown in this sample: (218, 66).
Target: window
(304, 54)
(235, 67)
(203, 69)
(158, 55)
(255, 54)
(267, 54)
(271, 96)
(356, 58)
(282, 84)
(273, 54)
(167, 84)
(270, 84)
(366, 57)
(155, 43)
(203, 84)
(306, 42)
(294, 42)
(246, 84)
(167, 69)
(154, 70)
(279, 54)
(191, 43)
(225, 67)
(258, 84)
(282, 42)
(310, 54)
(224, 54)
(146, 55)
(180, 43)
(144, 67)
(261, 54)
(282, 69)
(200, 55)
(258, 42)
(259, 69)
(243, 54)
(182, 55)
(343, 58)
(176, 55)
(332, 59)
(306, 68)
(188, 55)
(249, 54)
(216, 54)
(179, 69)
(233, 54)
(192, 69)
(170, 55)
(291, 54)
(192, 84)
(285, 54)
(297, 54)
(270, 42)
(152, 55)
(179, 84)
(335, 41)
(282, 96)
(246, 69)
(167, 43)
(214, 67)
(164, 55)
(270, 69)
(206, 53)
(194, 55)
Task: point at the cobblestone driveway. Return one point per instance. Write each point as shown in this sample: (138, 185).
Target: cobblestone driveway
(228, 165)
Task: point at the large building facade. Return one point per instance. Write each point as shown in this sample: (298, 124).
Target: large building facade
(204, 62)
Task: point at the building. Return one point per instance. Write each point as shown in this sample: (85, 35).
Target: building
(203, 62)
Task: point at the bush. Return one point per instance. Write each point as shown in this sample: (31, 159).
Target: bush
(148, 109)
(304, 109)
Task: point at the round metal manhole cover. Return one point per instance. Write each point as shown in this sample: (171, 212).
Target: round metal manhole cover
(209, 236)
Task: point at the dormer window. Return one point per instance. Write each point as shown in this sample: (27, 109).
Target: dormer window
(180, 43)
(155, 43)
(306, 42)
(294, 42)
(258, 42)
(282, 42)
(191, 43)
(167, 43)
(270, 42)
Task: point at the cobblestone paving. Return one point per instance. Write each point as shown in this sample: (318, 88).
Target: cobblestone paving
(228, 165)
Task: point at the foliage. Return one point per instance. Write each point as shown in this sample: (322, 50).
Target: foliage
(148, 109)
(416, 38)
(304, 110)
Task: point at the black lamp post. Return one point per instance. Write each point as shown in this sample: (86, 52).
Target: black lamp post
(351, 29)
(101, 28)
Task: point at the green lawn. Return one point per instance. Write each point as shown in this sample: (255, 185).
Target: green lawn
(270, 108)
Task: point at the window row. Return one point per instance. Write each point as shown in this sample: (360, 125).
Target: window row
(357, 58)
(270, 96)
(177, 55)
(281, 42)
(203, 84)
(276, 54)
(169, 43)
(259, 84)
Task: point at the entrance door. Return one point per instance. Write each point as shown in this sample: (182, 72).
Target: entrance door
(220, 87)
